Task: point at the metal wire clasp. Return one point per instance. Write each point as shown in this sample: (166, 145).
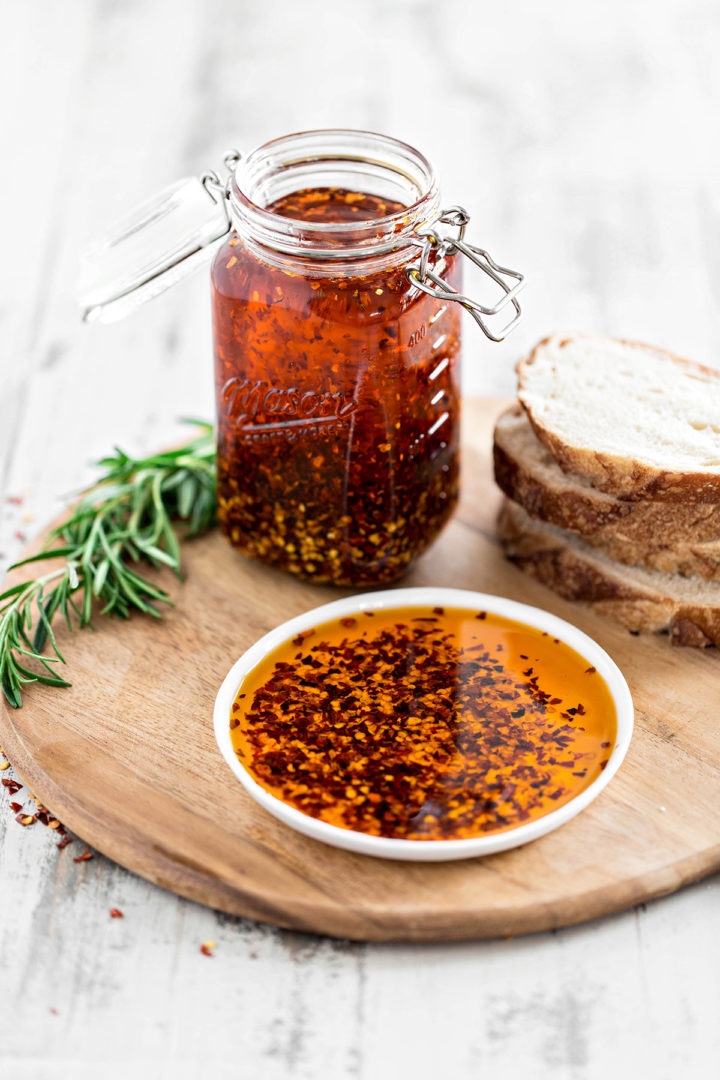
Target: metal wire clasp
(422, 277)
(217, 189)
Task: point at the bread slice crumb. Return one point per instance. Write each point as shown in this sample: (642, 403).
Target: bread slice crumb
(673, 537)
(636, 421)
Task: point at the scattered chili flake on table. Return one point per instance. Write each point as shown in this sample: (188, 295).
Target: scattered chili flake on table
(86, 855)
(207, 948)
(41, 813)
(116, 913)
(64, 842)
(425, 725)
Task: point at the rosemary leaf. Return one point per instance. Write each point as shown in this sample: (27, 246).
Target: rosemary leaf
(131, 513)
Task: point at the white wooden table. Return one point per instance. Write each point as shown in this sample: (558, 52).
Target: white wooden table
(583, 138)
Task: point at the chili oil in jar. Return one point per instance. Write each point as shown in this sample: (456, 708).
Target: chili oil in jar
(337, 380)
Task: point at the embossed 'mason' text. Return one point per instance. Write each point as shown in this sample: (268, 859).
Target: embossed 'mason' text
(256, 404)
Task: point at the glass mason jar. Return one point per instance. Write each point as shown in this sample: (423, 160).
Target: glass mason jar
(336, 339)
(337, 379)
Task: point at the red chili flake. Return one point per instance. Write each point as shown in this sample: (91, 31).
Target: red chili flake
(394, 728)
(26, 819)
(13, 785)
(234, 722)
(590, 671)
(605, 745)
(207, 948)
(16, 807)
(86, 855)
(116, 913)
(348, 622)
(54, 1011)
(17, 500)
(481, 615)
(305, 503)
(64, 842)
(438, 611)
(20, 535)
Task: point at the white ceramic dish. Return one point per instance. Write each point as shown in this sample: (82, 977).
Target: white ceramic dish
(426, 850)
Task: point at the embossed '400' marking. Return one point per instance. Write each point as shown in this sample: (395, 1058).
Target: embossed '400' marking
(249, 400)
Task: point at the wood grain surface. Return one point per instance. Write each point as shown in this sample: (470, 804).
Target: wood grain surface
(127, 759)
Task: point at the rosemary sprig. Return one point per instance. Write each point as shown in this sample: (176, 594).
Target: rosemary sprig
(127, 516)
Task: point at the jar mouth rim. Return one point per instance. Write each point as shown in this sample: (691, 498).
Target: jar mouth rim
(380, 156)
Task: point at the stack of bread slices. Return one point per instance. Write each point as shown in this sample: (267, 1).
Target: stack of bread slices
(610, 465)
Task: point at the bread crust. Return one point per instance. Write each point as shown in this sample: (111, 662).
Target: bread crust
(656, 534)
(623, 477)
(573, 571)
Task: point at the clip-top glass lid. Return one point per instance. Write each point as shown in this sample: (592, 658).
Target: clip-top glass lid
(145, 253)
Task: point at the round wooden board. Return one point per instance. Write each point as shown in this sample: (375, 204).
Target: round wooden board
(127, 759)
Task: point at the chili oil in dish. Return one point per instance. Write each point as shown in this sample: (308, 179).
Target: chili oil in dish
(426, 722)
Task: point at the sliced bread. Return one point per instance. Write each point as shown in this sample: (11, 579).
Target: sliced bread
(672, 537)
(637, 421)
(643, 600)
